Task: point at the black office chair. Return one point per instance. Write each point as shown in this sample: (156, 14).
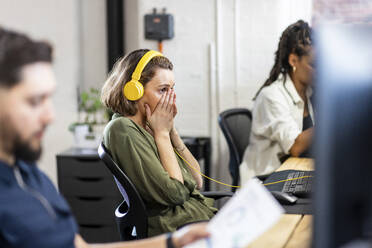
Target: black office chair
(236, 126)
(131, 214)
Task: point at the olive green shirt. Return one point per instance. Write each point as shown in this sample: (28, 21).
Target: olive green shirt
(169, 203)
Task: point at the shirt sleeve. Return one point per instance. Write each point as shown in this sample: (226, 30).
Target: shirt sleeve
(274, 120)
(140, 162)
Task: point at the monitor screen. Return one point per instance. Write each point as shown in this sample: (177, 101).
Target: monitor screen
(343, 140)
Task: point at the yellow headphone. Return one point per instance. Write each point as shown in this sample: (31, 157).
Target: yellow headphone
(133, 90)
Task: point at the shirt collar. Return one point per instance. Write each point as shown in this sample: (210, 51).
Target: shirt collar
(134, 125)
(129, 122)
(6, 171)
(27, 168)
(291, 90)
(115, 116)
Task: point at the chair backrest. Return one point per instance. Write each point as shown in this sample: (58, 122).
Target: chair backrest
(236, 126)
(131, 215)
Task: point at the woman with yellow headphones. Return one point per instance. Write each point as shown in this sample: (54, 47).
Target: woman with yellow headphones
(143, 141)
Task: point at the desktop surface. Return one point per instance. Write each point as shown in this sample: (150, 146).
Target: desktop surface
(292, 230)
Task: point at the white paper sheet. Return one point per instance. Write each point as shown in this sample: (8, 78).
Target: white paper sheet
(246, 216)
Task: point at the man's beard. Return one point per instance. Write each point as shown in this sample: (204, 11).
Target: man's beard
(14, 145)
(23, 150)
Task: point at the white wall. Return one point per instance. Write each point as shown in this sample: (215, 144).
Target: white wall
(77, 31)
(222, 51)
(57, 22)
(93, 43)
(194, 31)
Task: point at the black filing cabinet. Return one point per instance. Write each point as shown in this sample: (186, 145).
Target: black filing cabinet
(200, 147)
(90, 189)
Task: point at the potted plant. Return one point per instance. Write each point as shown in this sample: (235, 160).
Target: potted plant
(92, 116)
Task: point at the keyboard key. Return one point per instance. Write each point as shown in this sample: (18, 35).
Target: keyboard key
(287, 183)
(301, 187)
(293, 182)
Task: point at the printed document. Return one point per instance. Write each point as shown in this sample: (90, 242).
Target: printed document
(247, 215)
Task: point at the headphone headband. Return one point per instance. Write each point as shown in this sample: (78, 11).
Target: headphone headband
(143, 62)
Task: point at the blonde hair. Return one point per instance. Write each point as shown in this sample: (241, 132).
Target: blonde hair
(112, 91)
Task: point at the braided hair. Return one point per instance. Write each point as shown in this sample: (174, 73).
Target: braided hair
(295, 39)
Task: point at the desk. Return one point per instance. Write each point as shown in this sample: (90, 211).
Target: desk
(291, 230)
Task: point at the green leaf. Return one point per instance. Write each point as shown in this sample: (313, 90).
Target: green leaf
(84, 96)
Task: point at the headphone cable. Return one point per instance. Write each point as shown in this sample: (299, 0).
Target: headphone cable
(234, 186)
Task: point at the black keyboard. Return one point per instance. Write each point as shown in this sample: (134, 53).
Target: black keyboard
(301, 187)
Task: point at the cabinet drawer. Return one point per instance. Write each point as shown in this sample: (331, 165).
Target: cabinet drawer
(94, 210)
(99, 234)
(81, 186)
(84, 168)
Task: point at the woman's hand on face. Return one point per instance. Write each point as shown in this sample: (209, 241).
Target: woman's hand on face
(161, 120)
(175, 111)
(189, 234)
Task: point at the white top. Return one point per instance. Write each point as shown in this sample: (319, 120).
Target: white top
(277, 121)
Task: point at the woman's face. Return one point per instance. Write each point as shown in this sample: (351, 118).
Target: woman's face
(162, 81)
(304, 68)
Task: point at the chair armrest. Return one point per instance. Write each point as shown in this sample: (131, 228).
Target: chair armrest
(217, 194)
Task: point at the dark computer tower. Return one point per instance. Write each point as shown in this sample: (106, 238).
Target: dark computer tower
(343, 142)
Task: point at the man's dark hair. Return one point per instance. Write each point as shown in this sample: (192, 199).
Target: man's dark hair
(16, 51)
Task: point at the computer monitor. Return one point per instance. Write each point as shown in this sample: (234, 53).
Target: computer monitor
(343, 139)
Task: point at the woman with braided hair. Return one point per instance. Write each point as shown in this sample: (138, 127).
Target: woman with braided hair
(283, 116)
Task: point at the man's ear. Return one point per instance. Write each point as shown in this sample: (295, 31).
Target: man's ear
(293, 60)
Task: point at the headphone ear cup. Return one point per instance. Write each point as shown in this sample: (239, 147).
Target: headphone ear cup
(133, 90)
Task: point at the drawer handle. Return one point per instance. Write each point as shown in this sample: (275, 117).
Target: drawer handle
(90, 226)
(90, 179)
(88, 159)
(90, 198)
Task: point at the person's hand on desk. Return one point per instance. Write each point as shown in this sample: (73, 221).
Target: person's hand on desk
(79, 242)
(190, 234)
(179, 239)
(302, 142)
